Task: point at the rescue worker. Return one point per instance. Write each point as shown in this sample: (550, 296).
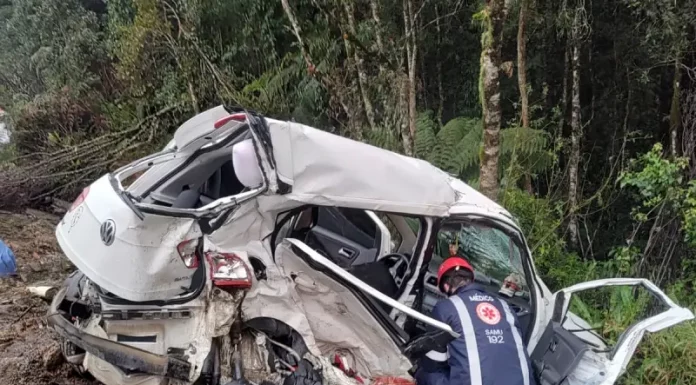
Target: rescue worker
(511, 285)
(454, 248)
(490, 349)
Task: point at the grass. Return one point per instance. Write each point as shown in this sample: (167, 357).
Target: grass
(665, 358)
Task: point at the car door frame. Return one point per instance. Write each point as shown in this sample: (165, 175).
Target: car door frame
(539, 294)
(217, 207)
(620, 355)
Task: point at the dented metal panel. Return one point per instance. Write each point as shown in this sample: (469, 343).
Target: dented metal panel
(141, 263)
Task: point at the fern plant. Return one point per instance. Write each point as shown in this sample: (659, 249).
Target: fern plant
(455, 147)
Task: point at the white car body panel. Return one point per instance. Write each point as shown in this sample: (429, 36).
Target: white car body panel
(338, 320)
(330, 170)
(605, 368)
(142, 263)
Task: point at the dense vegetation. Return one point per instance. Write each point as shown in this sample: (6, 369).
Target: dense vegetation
(579, 116)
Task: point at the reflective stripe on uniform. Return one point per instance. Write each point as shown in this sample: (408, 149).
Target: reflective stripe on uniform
(436, 356)
(470, 341)
(524, 365)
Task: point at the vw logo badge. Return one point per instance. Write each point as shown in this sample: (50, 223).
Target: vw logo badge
(108, 232)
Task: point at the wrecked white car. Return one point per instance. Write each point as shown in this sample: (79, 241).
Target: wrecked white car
(256, 250)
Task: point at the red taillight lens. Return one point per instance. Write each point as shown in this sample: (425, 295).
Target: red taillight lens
(187, 252)
(228, 270)
(80, 198)
(236, 117)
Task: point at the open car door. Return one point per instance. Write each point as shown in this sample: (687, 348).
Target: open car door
(571, 352)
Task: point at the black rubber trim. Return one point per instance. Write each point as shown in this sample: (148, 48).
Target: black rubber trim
(125, 197)
(127, 338)
(126, 358)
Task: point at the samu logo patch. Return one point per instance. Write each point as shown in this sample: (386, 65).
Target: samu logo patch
(488, 313)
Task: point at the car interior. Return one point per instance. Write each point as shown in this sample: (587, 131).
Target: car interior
(210, 176)
(350, 239)
(494, 256)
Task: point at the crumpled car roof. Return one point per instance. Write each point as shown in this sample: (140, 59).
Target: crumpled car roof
(327, 169)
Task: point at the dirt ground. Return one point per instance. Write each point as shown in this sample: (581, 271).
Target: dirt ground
(29, 353)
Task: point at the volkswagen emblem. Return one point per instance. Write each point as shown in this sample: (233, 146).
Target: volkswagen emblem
(108, 232)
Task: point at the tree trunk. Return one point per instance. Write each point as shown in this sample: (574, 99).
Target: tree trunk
(362, 76)
(194, 99)
(688, 115)
(333, 91)
(374, 8)
(522, 80)
(675, 111)
(406, 137)
(489, 87)
(575, 136)
(298, 34)
(411, 51)
(521, 63)
(564, 96)
(438, 68)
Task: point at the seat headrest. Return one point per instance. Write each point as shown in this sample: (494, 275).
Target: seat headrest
(246, 165)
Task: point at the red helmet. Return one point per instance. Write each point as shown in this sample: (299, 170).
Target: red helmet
(452, 263)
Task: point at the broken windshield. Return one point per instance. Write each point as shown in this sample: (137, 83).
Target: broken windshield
(495, 256)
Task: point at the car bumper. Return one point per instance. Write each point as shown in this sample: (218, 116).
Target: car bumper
(126, 358)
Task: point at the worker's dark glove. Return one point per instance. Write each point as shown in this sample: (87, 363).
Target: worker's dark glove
(305, 374)
(434, 340)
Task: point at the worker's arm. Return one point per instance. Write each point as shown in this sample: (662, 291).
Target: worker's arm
(433, 368)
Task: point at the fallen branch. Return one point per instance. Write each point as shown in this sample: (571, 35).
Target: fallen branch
(22, 315)
(62, 171)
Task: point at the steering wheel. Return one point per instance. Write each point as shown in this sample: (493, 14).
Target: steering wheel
(396, 262)
(519, 311)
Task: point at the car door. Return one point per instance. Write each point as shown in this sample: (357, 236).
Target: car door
(570, 352)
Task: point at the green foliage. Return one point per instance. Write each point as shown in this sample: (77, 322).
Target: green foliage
(622, 259)
(426, 131)
(286, 93)
(455, 147)
(56, 122)
(384, 138)
(659, 184)
(541, 219)
(47, 46)
(527, 147)
(666, 358)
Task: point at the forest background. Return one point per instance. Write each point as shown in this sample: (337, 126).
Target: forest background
(579, 116)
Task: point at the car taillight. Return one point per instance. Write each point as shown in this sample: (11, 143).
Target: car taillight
(80, 198)
(228, 270)
(236, 117)
(187, 252)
